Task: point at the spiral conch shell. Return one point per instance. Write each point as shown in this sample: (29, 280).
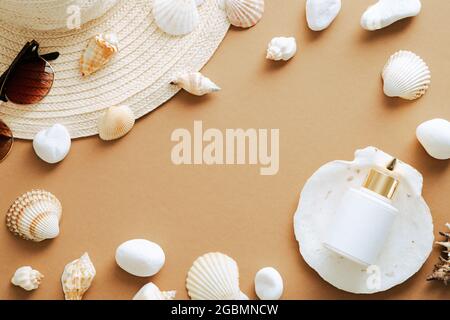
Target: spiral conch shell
(214, 276)
(441, 270)
(27, 278)
(195, 83)
(243, 13)
(77, 277)
(99, 51)
(35, 216)
(116, 122)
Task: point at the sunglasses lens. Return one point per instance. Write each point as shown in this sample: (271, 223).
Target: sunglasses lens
(6, 140)
(30, 82)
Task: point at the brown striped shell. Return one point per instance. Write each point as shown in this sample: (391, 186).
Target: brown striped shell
(244, 13)
(99, 51)
(35, 216)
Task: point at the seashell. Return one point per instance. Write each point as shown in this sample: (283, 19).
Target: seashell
(281, 48)
(151, 292)
(176, 17)
(434, 135)
(244, 13)
(199, 2)
(195, 83)
(27, 278)
(35, 216)
(99, 51)
(214, 276)
(386, 12)
(321, 13)
(77, 277)
(406, 76)
(268, 284)
(52, 144)
(441, 270)
(116, 122)
(140, 257)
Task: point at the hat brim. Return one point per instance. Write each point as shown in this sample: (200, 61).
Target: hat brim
(139, 76)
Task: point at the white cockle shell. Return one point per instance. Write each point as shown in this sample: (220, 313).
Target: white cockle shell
(151, 292)
(243, 13)
(408, 245)
(176, 17)
(434, 135)
(386, 12)
(195, 83)
(321, 13)
(116, 122)
(214, 276)
(406, 75)
(268, 284)
(99, 51)
(52, 144)
(27, 278)
(281, 48)
(140, 257)
(77, 277)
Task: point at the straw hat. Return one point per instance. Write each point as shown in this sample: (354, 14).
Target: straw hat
(139, 76)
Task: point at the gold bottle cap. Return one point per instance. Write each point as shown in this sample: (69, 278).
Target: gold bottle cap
(382, 183)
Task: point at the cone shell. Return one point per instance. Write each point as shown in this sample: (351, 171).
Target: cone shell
(195, 83)
(244, 13)
(214, 276)
(116, 122)
(35, 216)
(99, 51)
(77, 277)
(406, 76)
(176, 17)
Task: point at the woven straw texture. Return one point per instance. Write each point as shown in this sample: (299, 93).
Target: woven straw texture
(139, 76)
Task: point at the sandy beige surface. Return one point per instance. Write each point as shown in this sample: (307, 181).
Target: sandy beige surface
(327, 102)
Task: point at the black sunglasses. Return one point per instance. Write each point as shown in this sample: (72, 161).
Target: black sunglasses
(29, 78)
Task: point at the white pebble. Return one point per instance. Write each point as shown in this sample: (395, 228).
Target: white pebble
(268, 284)
(52, 144)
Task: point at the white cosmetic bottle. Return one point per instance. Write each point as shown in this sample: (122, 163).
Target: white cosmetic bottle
(364, 218)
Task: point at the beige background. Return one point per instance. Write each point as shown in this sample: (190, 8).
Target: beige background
(327, 102)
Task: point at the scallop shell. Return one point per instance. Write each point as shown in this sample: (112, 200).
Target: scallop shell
(27, 278)
(77, 277)
(99, 51)
(244, 13)
(116, 122)
(176, 17)
(35, 216)
(214, 276)
(195, 83)
(151, 292)
(406, 75)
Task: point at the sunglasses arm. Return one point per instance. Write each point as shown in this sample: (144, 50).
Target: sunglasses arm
(50, 56)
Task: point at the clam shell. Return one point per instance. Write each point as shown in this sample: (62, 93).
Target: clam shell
(195, 83)
(406, 76)
(77, 277)
(244, 13)
(116, 122)
(176, 17)
(35, 216)
(214, 276)
(99, 51)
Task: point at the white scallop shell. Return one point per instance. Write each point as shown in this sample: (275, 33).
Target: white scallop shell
(151, 292)
(77, 277)
(214, 276)
(27, 278)
(244, 13)
(35, 216)
(176, 17)
(99, 51)
(116, 122)
(406, 75)
(408, 245)
(195, 83)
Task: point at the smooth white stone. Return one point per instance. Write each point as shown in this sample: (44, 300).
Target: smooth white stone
(386, 12)
(321, 13)
(53, 144)
(434, 135)
(268, 284)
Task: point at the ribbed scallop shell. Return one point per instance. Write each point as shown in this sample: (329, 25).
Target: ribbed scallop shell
(99, 51)
(406, 75)
(214, 276)
(77, 277)
(244, 13)
(176, 17)
(35, 216)
(195, 83)
(116, 122)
